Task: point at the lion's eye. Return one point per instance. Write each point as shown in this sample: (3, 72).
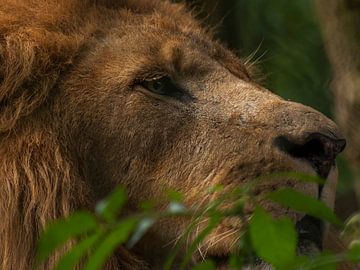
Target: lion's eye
(164, 86)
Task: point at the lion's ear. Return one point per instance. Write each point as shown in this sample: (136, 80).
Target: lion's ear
(31, 60)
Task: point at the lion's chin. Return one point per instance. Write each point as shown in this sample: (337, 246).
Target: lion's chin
(221, 262)
(218, 247)
(310, 238)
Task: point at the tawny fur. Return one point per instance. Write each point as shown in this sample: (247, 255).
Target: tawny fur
(74, 122)
(39, 42)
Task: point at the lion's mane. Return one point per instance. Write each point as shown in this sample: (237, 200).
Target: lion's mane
(40, 41)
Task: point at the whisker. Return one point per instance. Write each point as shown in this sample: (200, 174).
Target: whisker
(219, 238)
(234, 242)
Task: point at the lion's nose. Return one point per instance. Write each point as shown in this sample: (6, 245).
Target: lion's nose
(318, 149)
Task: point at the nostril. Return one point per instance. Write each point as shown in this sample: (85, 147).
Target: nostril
(318, 149)
(308, 150)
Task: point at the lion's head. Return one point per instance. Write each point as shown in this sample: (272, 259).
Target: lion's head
(99, 93)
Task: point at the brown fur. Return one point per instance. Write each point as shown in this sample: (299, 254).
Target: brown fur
(74, 123)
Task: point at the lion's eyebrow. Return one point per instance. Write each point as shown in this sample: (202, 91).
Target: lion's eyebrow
(181, 61)
(220, 54)
(172, 54)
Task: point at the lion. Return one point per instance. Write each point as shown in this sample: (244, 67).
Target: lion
(97, 93)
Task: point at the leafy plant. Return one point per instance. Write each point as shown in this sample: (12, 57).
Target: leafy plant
(97, 235)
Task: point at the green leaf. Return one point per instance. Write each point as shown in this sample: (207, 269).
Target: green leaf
(354, 253)
(62, 230)
(174, 195)
(147, 206)
(142, 227)
(71, 259)
(273, 240)
(114, 239)
(206, 265)
(351, 232)
(236, 261)
(110, 207)
(176, 208)
(215, 188)
(303, 203)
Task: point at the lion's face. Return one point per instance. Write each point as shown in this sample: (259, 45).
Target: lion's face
(159, 107)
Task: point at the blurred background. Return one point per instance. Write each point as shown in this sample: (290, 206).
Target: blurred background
(306, 51)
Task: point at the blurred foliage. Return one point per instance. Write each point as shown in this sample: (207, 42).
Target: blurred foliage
(288, 44)
(96, 236)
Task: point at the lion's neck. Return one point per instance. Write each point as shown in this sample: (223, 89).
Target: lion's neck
(38, 184)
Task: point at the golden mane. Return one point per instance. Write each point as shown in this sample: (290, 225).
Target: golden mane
(39, 42)
(38, 184)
